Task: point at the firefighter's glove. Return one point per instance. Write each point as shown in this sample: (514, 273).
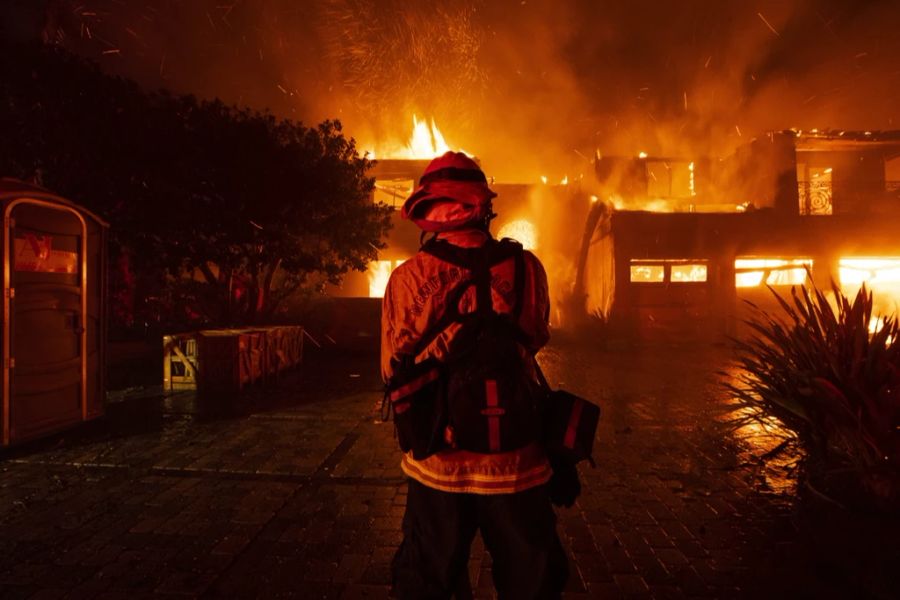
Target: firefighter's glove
(564, 486)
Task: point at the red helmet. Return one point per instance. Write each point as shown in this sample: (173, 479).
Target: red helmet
(452, 192)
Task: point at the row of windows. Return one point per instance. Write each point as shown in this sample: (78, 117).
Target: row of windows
(749, 272)
(754, 272)
(660, 272)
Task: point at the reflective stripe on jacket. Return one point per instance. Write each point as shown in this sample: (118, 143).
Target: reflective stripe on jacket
(413, 301)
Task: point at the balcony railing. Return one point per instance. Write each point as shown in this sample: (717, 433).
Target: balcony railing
(816, 198)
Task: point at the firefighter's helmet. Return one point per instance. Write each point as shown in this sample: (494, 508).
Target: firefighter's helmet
(453, 192)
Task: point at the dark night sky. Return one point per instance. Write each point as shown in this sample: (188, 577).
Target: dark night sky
(528, 85)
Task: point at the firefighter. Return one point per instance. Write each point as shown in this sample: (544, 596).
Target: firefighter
(455, 493)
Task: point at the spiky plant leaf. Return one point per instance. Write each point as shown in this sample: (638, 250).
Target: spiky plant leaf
(816, 366)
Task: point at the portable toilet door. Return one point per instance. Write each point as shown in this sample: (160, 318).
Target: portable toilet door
(53, 313)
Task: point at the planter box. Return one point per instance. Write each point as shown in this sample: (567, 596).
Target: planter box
(283, 348)
(180, 362)
(228, 360)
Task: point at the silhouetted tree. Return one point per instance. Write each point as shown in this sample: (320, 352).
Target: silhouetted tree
(233, 208)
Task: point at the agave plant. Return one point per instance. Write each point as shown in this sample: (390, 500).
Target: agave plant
(820, 370)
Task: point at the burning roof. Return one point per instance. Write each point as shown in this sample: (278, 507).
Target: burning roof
(892, 136)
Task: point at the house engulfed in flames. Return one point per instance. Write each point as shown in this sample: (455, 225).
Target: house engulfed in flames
(673, 246)
(519, 206)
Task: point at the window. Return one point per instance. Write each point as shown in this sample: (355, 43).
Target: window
(754, 272)
(668, 270)
(871, 271)
(689, 273)
(881, 276)
(648, 273)
(393, 192)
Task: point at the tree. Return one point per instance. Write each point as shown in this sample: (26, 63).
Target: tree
(269, 206)
(232, 209)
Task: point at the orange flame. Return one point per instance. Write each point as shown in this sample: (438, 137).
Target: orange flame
(425, 142)
(880, 274)
(522, 231)
(379, 272)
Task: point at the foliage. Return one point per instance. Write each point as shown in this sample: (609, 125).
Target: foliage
(230, 209)
(823, 374)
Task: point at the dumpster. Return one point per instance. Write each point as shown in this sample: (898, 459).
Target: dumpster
(54, 307)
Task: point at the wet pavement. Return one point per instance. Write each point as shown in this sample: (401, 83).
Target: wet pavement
(297, 492)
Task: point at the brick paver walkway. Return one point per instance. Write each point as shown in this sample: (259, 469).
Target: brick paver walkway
(302, 497)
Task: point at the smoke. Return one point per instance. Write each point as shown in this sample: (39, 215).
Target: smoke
(532, 87)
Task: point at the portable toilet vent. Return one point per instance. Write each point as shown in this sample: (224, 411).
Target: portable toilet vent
(54, 312)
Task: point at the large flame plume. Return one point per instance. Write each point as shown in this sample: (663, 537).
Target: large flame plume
(426, 141)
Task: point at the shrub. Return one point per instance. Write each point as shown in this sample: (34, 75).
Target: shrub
(820, 370)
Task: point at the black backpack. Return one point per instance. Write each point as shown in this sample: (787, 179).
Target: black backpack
(482, 389)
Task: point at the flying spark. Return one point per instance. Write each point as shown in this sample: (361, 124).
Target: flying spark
(394, 54)
(769, 25)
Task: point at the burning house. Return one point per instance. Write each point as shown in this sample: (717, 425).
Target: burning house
(521, 215)
(521, 209)
(673, 246)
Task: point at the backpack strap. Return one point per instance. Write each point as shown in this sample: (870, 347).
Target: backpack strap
(491, 252)
(449, 316)
(519, 284)
(477, 261)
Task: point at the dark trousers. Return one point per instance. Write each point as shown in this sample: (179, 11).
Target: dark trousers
(519, 531)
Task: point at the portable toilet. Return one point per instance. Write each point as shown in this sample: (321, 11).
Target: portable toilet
(54, 312)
